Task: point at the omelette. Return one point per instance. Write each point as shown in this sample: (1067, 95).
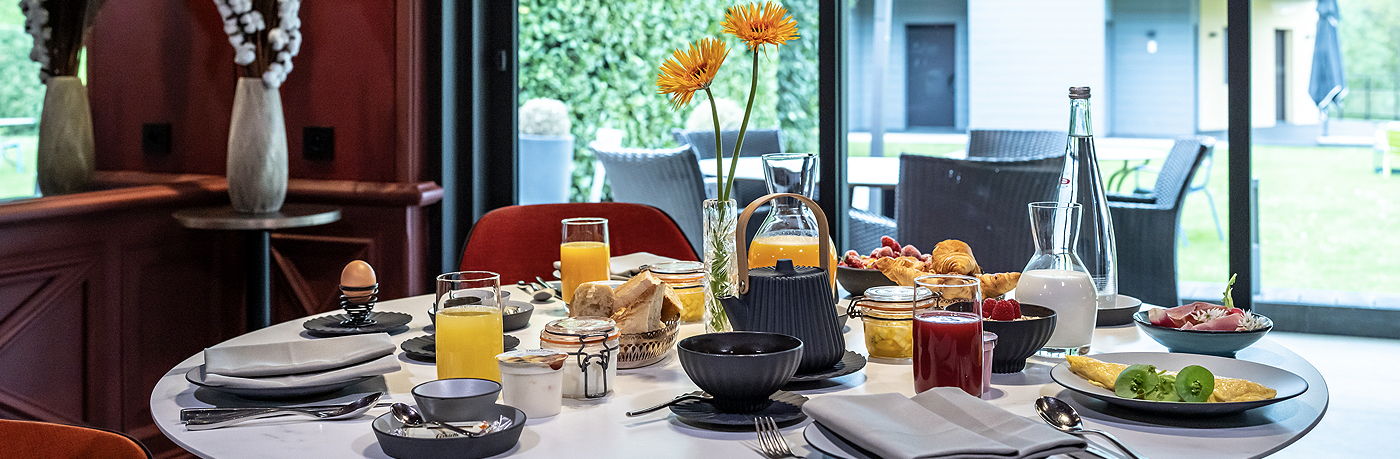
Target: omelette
(1104, 374)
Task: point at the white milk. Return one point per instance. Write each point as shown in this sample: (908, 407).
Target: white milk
(1071, 295)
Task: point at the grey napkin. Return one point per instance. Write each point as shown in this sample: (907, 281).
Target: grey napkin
(940, 423)
(379, 366)
(292, 357)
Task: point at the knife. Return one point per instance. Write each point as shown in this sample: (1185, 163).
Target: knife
(189, 414)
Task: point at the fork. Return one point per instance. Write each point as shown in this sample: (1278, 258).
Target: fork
(770, 439)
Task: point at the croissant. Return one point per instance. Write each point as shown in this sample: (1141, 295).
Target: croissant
(902, 270)
(994, 285)
(953, 257)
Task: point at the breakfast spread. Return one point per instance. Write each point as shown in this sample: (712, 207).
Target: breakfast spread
(640, 305)
(1191, 384)
(903, 265)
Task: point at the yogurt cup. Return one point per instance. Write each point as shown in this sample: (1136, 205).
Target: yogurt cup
(532, 381)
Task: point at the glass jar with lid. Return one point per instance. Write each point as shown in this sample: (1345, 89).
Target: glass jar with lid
(591, 343)
(687, 279)
(888, 315)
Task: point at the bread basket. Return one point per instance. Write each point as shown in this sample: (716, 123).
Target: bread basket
(636, 350)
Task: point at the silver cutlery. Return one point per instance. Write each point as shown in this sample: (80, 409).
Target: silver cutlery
(678, 399)
(1061, 415)
(410, 417)
(350, 410)
(189, 414)
(552, 290)
(770, 439)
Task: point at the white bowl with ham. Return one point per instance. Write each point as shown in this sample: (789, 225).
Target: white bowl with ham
(1203, 328)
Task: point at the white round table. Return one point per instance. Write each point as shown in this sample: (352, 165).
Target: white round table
(600, 429)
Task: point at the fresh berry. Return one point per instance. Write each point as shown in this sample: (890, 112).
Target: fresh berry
(1015, 307)
(909, 251)
(886, 241)
(1005, 310)
(883, 252)
(988, 305)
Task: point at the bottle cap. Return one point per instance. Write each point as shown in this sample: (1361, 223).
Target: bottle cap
(1079, 92)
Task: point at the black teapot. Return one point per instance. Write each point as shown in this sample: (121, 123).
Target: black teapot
(788, 299)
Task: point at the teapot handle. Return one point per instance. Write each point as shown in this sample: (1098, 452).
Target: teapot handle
(741, 249)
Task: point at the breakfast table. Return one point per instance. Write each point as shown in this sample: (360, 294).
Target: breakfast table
(600, 428)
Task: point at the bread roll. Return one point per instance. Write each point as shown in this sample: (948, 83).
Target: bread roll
(637, 304)
(592, 299)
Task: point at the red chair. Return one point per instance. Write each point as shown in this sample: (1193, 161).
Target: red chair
(31, 439)
(522, 242)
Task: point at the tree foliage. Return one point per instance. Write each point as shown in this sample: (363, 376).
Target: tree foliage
(21, 93)
(601, 58)
(1370, 37)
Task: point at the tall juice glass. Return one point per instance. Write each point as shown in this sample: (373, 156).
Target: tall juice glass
(948, 335)
(468, 315)
(583, 253)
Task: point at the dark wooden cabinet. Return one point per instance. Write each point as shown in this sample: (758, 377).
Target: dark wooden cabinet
(102, 293)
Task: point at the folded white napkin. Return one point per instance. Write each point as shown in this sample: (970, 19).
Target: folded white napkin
(292, 357)
(379, 366)
(943, 422)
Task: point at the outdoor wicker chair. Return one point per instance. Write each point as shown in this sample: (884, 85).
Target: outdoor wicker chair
(981, 201)
(757, 142)
(668, 179)
(1145, 226)
(1015, 144)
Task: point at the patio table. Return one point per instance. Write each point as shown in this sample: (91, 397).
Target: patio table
(600, 429)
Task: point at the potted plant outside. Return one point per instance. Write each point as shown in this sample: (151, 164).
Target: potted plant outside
(546, 152)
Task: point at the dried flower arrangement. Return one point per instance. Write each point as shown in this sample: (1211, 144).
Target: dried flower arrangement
(265, 34)
(59, 28)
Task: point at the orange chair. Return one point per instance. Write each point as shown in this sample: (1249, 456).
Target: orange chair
(522, 242)
(31, 439)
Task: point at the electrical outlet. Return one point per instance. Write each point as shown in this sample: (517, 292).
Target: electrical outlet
(155, 139)
(318, 143)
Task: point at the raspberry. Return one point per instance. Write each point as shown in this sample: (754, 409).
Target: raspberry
(1005, 310)
(1015, 307)
(988, 305)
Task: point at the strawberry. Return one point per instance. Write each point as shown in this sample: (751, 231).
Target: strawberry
(909, 251)
(886, 241)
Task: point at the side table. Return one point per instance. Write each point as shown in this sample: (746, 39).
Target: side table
(257, 231)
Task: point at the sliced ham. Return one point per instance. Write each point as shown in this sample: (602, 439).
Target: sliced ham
(1229, 322)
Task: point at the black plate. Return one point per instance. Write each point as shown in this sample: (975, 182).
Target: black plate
(196, 376)
(850, 363)
(392, 323)
(425, 347)
(785, 410)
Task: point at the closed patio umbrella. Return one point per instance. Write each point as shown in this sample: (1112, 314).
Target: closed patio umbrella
(1328, 83)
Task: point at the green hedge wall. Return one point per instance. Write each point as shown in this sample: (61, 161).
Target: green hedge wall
(601, 57)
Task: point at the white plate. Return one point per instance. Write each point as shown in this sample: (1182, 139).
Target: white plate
(830, 444)
(1286, 383)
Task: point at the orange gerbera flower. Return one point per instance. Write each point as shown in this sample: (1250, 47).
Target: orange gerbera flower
(756, 25)
(687, 72)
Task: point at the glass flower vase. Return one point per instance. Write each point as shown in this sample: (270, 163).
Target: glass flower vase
(720, 221)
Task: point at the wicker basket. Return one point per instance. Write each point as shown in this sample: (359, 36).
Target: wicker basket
(636, 350)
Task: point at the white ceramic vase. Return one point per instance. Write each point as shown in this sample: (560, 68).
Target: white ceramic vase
(257, 149)
(65, 152)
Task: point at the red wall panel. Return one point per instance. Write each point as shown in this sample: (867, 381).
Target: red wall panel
(169, 61)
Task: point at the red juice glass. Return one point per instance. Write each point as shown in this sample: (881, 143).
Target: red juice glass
(948, 335)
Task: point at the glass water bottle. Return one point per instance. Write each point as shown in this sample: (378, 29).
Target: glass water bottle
(1081, 182)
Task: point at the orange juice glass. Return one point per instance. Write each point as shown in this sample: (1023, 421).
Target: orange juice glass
(583, 253)
(802, 250)
(469, 332)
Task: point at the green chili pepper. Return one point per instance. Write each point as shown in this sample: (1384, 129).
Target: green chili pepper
(1194, 384)
(1135, 381)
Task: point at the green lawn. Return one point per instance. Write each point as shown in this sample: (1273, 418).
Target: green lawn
(14, 183)
(1327, 221)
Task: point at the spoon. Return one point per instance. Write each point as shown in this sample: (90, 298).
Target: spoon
(410, 417)
(1061, 416)
(678, 399)
(539, 294)
(349, 410)
(551, 289)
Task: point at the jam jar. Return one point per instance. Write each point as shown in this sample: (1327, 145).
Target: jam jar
(888, 315)
(687, 279)
(591, 345)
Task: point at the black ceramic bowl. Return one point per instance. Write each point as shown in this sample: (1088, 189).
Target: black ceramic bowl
(1221, 343)
(856, 280)
(456, 399)
(1019, 339)
(1120, 314)
(740, 369)
(452, 447)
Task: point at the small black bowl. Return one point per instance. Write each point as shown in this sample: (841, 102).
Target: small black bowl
(856, 280)
(517, 315)
(740, 369)
(453, 447)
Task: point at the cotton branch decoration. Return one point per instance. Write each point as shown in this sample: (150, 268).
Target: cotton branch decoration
(265, 34)
(58, 28)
